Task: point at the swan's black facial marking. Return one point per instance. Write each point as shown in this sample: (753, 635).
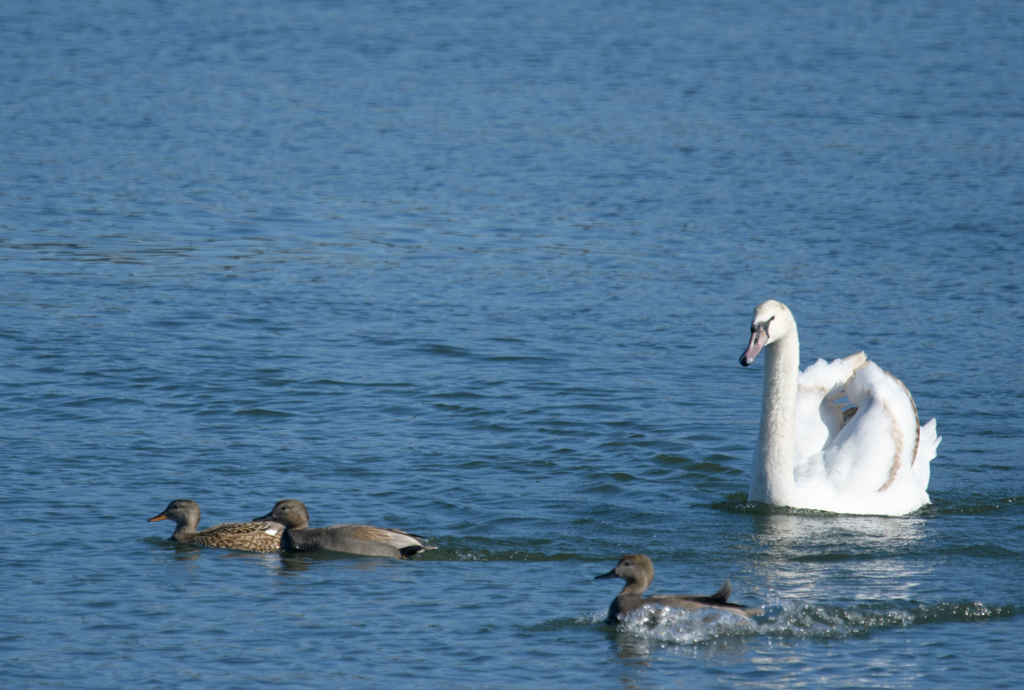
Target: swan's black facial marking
(761, 327)
(757, 330)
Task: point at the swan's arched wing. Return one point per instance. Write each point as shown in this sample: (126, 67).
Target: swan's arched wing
(818, 418)
(879, 443)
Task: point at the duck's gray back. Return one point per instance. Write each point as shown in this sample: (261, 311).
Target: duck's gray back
(695, 603)
(627, 603)
(335, 538)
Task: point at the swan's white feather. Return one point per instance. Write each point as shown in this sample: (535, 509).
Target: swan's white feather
(818, 418)
(868, 466)
(926, 450)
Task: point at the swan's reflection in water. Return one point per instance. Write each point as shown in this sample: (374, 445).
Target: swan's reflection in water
(810, 556)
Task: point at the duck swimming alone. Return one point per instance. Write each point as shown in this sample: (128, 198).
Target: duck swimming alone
(870, 459)
(243, 536)
(363, 540)
(638, 572)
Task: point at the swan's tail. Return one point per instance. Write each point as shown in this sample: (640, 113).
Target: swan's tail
(926, 450)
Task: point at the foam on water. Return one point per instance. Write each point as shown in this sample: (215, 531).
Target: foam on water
(798, 620)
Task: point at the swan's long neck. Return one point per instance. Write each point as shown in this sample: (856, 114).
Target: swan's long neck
(772, 481)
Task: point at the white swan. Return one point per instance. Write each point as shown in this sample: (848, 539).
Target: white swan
(871, 460)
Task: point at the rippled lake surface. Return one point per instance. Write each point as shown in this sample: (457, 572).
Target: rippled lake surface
(483, 271)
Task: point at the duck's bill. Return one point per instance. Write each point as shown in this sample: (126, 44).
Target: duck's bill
(607, 576)
(756, 343)
(269, 517)
(161, 516)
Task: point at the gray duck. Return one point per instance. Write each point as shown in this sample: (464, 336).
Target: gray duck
(363, 540)
(638, 572)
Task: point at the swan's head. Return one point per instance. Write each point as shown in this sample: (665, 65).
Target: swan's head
(772, 321)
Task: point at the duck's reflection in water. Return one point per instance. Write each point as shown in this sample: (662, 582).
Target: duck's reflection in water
(292, 563)
(637, 650)
(711, 635)
(185, 552)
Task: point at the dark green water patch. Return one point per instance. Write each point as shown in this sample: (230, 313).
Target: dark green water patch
(672, 460)
(485, 555)
(980, 551)
(577, 623)
(738, 505)
(261, 412)
(981, 507)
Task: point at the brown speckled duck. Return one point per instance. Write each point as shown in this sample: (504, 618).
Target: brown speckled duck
(244, 536)
(363, 540)
(638, 572)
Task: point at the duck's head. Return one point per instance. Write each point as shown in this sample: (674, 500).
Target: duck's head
(291, 514)
(634, 569)
(772, 321)
(182, 511)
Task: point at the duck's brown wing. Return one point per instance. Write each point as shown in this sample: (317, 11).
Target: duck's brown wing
(244, 536)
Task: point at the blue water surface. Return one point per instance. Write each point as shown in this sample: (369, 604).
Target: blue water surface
(483, 271)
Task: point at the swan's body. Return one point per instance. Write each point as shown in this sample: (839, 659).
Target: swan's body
(364, 540)
(873, 459)
(244, 536)
(638, 572)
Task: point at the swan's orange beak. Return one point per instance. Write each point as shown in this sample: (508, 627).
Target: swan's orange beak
(161, 516)
(758, 338)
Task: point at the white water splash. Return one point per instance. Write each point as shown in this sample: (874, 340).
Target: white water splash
(794, 619)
